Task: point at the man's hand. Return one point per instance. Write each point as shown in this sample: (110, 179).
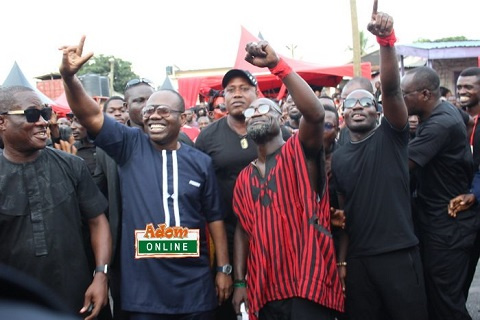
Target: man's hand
(460, 203)
(239, 296)
(67, 146)
(261, 54)
(381, 24)
(337, 218)
(53, 119)
(72, 59)
(96, 295)
(224, 286)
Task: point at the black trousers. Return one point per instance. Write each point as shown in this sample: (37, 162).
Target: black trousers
(208, 315)
(225, 311)
(295, 309)
(472, 264)
(386, 286)
(446, 259)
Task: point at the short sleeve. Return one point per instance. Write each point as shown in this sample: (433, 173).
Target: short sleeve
(427, 143)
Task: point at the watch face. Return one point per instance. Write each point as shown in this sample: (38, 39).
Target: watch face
(227, 269)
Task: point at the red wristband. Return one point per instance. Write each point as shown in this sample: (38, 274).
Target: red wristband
(388, 41)
(282, 69)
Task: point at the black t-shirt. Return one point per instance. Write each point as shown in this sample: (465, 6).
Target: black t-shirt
(372, 175)
(88, 152)
(42, 204)
(343, 137)
(107, 180)
(223, 145)
(445, 168)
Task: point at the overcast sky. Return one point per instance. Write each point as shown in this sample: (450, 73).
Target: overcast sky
(198, 34)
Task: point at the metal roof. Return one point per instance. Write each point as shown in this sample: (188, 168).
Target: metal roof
(408, 61)
(441, 50)
(445, 44)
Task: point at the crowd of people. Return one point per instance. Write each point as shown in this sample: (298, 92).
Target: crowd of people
(363, 205)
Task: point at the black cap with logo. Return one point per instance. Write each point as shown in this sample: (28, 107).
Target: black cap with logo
(239, 73)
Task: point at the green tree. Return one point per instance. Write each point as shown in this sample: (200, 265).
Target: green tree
(447, 39)
(365, 46)
(100, 64)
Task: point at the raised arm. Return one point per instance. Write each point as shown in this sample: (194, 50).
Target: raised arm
(394, 107)
(311, 125)
(87, 111)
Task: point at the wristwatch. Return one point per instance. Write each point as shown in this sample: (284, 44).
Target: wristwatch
(103, 268)
(227, 269)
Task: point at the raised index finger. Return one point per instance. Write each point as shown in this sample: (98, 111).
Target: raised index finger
(80, 46)
(375, 6)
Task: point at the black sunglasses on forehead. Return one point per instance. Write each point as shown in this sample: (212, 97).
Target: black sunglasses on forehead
(134, 82)
(32, 114)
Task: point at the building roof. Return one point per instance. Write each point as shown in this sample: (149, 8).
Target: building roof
(49, 76)
(409, 61)
(441, 50)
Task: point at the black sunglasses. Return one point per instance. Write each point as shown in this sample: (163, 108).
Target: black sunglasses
(364, 102)
(32, 114)
(221, 106)
(134, 82)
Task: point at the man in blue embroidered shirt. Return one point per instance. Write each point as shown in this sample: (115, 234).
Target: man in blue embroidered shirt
(169, 196)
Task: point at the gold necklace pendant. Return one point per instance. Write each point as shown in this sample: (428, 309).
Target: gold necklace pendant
(244, 143)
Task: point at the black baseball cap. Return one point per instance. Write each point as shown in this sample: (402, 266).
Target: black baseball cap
(239, 73)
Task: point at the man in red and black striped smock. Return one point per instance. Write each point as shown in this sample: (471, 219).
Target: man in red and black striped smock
(285, 266)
